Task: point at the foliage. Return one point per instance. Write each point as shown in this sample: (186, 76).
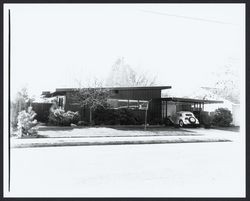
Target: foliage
(228, 81)
(122, 116)
(122, 75)
(82, 123)
(59, 117)
(20, 103)
(27, 123)
(93, 97)
(222, 117)
(156, 121)
(167, 121)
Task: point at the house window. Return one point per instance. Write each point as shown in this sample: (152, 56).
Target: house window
(61, 101)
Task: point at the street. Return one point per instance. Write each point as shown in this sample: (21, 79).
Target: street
(164, 170)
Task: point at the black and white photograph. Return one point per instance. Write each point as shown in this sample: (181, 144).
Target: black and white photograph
(124, 100)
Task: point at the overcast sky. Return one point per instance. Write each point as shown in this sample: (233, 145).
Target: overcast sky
(181, 44)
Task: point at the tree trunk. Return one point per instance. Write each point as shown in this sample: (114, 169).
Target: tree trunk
(90, 116)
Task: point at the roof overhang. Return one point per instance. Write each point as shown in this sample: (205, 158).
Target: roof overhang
(62, 91)
(119, 88)
(191, 100)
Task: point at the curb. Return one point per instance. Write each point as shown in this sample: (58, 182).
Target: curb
(135, 142)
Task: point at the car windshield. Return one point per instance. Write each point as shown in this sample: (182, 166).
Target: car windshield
(189, 115)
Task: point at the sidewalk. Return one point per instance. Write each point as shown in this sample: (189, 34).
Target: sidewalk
(50, 137)
(52, 142)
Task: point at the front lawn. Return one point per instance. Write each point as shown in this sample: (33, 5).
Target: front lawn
(112, 132)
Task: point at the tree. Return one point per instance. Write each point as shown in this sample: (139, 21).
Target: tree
(27, 123)
(93, 97)
(122, 75)
(227, 83)
(21, 102)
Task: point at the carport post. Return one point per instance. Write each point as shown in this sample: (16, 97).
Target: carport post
(146, 115)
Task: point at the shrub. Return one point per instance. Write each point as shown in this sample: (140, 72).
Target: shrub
(27, 123)
(122, 116)
(206, 119)
(156, 121)
(59, 117)
(21, 102)
(167, 121)
(222, 117)
(82, 123)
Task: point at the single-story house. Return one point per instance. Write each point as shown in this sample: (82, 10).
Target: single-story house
(135, 98)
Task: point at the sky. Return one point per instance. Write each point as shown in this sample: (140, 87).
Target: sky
(183, 45)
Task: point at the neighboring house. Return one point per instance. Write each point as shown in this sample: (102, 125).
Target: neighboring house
(233, 104)
(134, 98)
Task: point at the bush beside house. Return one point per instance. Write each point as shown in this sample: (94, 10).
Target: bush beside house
(222, 117)
(21, 102)
(27, 123)
(59, 117)
(122, 116)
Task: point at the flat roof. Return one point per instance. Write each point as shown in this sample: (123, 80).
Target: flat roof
(188, 100)
(119, 88)
(62, 91)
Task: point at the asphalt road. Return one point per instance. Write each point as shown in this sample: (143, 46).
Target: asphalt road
(165, 170)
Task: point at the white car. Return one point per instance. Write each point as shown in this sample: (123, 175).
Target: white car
(184, 118)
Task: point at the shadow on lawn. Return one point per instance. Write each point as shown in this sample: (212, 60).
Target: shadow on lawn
(152, 129)
(117, 127)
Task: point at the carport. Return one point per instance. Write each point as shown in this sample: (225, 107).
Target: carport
(171, 105)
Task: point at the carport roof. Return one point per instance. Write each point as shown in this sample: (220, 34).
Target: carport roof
(191, 100)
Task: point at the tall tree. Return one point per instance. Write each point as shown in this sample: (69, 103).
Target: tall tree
(122, 75)
(93, 97)
(227, 83)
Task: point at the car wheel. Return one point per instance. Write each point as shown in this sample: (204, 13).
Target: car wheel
(181, 124)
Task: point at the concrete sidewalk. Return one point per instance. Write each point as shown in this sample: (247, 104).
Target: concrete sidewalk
(51, 142)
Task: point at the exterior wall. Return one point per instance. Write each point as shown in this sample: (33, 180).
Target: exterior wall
(154, 110)
(137, 94)
(236, 114)
(73, 105)
(171, 108)
(71, 102)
